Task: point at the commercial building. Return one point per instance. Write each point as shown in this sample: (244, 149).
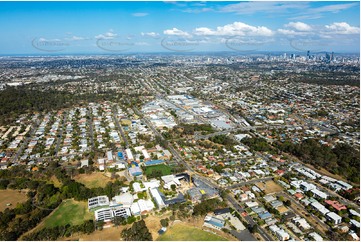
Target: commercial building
(98, 202)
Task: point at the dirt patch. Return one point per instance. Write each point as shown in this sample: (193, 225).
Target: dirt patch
(12, 197)
(269, 187)
(153, 223)
(96, 179)
(107, 234)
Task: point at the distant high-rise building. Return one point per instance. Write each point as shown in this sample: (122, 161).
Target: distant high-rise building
(308, 55)
(328, 57)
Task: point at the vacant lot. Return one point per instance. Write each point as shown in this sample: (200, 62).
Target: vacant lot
(269, 187)
(11, 196)
(164, 169)
(69, 212)
(184, 232)
(96, 179)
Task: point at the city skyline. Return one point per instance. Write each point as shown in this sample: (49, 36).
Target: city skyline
(174, 27)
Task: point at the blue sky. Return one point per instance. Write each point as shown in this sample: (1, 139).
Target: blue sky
(125, 27)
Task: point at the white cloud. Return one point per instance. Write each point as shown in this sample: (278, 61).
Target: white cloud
(150, 34)
(175, 32)
(75, 38)
(195, 10)
(142, 43)
(108, 35)
(342, 28)
(263, 7)
(299, 26)
(291, 32)
(332, 8)
(307, 16)
(140, 14)
(43, 39)
(236, 28)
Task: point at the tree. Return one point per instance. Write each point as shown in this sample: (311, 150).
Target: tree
(100, 224)
(173, 187)
(164, 222)
(138, 232)
(253, 229)
(287, 203)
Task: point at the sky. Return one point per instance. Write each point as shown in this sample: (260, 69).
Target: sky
(130, 27)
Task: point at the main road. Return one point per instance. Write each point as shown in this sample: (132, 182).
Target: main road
(120, 129)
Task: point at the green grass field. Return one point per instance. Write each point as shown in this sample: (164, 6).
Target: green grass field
(164, 169)
(69, 212)
(184, 232)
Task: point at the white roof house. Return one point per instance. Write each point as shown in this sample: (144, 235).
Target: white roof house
(251, 204)
(315, 236)
(344, 185)
(355, 223)
(282, 235)
(353, 212)
(84, 163)
(101, 168)
(319, 207)
(296, 184)
(319, 194)
(305, 186)
(274, 228)
(334, 218)
(301, 222)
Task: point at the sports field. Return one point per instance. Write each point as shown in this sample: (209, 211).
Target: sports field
(96, 179)
(164, 169)
(184, 232)
(11, 197)
(69, 212)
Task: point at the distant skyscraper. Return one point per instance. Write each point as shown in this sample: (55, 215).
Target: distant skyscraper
(328, 57)
(308, 55)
